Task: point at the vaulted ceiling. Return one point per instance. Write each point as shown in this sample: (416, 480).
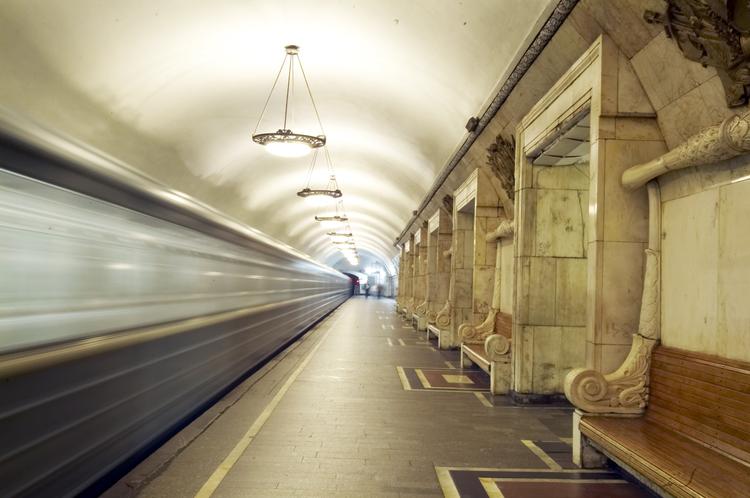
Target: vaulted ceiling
(395, 82)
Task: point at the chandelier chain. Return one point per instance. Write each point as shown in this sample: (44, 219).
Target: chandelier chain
(270, 94)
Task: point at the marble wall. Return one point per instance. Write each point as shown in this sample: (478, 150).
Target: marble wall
(420, 266)
(706, 259)
(440, 230)
(462, 263)
(477, 212)
(551, 305)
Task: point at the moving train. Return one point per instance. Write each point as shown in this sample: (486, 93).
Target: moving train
(126, 308)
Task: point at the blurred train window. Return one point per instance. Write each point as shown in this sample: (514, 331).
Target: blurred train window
(72, 266)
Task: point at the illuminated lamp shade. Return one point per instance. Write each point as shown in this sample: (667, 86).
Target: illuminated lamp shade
(284, 142)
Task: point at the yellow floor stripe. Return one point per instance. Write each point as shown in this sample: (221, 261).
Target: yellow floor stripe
(422, 378)
(553, 465)
(223, 469)
(483, 399)
(404, 380)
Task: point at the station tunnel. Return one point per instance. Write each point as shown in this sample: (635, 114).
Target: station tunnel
(374, 248)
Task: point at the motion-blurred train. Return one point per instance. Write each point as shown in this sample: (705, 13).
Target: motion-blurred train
(126, 308)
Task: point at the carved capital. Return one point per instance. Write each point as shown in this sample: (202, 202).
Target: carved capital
(431, 316)
(497, 347)
(476, 334)
(624, 391)
(443, 317)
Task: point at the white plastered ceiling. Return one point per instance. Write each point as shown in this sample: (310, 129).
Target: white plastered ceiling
(395, 82)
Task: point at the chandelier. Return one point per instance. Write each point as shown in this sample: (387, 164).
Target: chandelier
(285, 142)
(320, 196)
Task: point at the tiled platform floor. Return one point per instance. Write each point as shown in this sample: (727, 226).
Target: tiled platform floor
(346, 426)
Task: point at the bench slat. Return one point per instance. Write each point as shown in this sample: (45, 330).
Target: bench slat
(670, 460)
(694, 438)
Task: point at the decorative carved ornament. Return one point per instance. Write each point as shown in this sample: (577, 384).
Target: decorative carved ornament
(476, 334)
(443, 317)
(497, 347)
(724, 141)
(714, 33)
(421, 310)
(448, 204)
(625, 391)
(501, 156)
(504, 230)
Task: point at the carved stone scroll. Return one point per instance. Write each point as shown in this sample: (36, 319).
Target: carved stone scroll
(497, 347)
(713, 33)
(443, 317)
(625, 391)
(476, 334)
(724, 141)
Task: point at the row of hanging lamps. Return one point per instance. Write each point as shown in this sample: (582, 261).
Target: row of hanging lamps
(284, 142)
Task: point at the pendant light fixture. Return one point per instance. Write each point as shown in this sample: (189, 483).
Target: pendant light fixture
(285, 142)
(320, 196)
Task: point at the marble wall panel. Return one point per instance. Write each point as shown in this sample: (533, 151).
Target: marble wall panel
(706, 268)
(700, 108)
(666, 74)
(690, 252)
(560, 223)
(626, 212)
(546, 359)
(570, 291)
(605, 357)
(733, 299)
(631, 97)
(574, 177)
(623, 21)
(622, 287)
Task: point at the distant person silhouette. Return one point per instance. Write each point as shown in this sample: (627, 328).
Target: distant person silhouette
(379, 290)
(367, 291)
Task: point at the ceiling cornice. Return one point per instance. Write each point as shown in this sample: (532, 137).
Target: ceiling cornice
(547, 31)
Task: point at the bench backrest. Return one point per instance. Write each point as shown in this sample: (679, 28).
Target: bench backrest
(504, 324)
(703, 397)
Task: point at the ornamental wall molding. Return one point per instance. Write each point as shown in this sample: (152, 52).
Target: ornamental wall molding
(552, 24)
(625, 391)
(726, 140)
(503, 231)
(713, 33)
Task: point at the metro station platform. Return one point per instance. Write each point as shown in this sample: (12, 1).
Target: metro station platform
(363, 405)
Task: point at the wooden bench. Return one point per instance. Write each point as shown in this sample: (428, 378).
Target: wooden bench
(432, 330)
(488, 346)
(694, 438)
